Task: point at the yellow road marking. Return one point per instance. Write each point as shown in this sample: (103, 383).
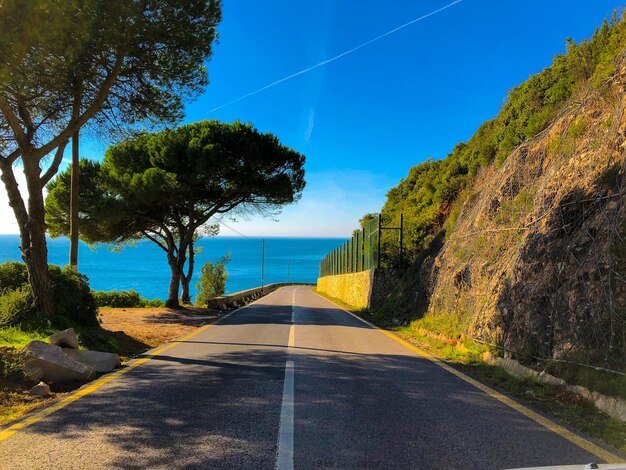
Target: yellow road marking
(590, 447)
(86, 390)
(291, 342)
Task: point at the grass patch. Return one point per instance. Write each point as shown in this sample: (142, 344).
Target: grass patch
(16, 338)
(596, 380)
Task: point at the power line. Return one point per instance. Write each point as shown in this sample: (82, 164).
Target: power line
(332, 59)
(232, 229)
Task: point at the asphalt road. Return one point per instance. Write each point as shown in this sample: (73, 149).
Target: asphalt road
(291, 381)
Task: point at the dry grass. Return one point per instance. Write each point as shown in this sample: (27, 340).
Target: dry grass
(152, 326)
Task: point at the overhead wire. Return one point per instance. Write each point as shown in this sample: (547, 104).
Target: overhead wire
(334, 58)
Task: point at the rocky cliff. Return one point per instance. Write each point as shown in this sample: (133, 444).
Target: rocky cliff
(535, 261)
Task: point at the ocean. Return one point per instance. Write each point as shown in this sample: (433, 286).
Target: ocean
(143, 267)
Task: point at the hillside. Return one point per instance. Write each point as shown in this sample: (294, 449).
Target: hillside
(518, 237)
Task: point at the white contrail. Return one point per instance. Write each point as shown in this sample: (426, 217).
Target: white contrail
(332, 59)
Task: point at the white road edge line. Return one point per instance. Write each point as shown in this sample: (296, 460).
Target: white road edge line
(284, 457)
(284, 460)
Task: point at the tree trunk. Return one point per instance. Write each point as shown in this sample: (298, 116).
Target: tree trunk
(34, 246)
(172, 296)
(74, 202)
(176, 269)
(186, 279)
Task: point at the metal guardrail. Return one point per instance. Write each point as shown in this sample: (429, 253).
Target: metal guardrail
(238, 299)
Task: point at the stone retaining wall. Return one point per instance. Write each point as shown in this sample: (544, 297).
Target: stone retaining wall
(362, 290)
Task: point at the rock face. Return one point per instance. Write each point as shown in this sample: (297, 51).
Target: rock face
(55, 365)
(99, 361)
(536, 260)
(66, 338)
(40, 390)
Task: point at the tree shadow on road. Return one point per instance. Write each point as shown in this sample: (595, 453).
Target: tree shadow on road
(222, 409)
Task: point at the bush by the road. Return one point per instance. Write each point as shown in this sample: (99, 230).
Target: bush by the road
(212, 280)
(16, 309)
(124, 299)
(73, 300)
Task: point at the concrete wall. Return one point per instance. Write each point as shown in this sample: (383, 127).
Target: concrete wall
(362, 290)
(353, 289)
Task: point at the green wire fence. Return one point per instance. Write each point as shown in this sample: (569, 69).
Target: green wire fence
(360, 253)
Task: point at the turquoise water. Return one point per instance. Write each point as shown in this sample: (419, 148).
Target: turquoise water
(144, 267)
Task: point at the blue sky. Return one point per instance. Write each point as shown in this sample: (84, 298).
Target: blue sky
(363, 120)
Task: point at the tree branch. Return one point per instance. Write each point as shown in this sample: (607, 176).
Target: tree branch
(89, 112)
(151, 238)
(54, 166)
(14, 123)
(15, 197)
(10, 158)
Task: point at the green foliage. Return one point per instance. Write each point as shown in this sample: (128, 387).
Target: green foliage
(73, 301)
(427, 195)
(72, 297)
(18, 338)
(17, 310)
(58, 201)
(366, 219)
(166, 185)
(212, 280)
(124, 299)
(13, 275)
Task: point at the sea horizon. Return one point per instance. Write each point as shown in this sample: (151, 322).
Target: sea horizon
(143, 266)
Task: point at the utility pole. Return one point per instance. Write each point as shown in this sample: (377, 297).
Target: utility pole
(262, 264)
(289, 269)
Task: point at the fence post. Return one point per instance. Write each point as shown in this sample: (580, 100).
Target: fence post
(401, 239)
(363, 249)
(379, 236)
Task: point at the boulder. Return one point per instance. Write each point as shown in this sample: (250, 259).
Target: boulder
(32, 372)
(56, 365)
(66, 338)
(99, 361)
(40, 390)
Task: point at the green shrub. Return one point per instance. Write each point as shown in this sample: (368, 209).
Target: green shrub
(72, 298)
(124, 299)
(212, 280)
(17, 309)
(13, 275)
(118, 298)
(152, 303)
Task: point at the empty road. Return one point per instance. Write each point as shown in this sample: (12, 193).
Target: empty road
(291, 381)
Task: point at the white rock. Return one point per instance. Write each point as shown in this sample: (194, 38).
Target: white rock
(546, 378)
(55, 364)
(66, 338)
(100, 361)
(515, 368)
(40, 390)
(612, 406)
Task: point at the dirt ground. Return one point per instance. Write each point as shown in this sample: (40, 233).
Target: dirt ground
(140, 329)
